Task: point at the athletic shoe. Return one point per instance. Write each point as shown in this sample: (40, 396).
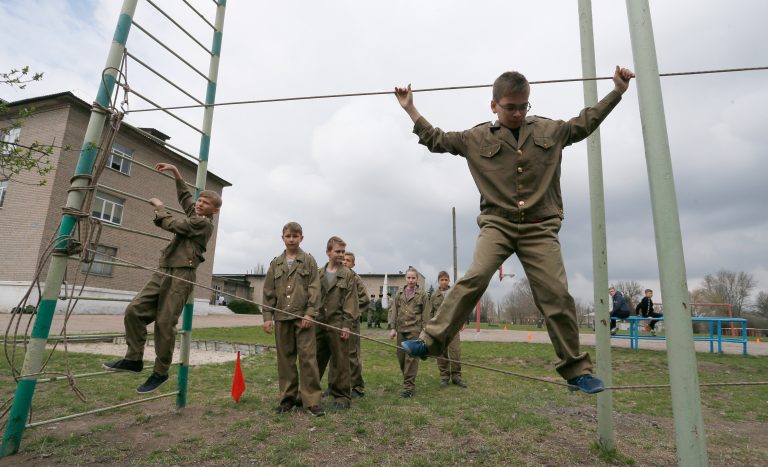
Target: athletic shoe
(614, 331)
(315, 411)
(284, 407)
(154, 381)
(586, 383)
(357, 393)
(459, 383)
(444, 382)
(132, 366)
(407, 394)
(415, 348)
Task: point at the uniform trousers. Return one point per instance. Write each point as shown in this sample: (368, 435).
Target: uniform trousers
(538, 248)
(160, 301)
(302, 384)
(355, 364)
(408, 365)
(451, 370)
(332, 348)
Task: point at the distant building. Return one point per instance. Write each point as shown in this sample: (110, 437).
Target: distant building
(30, 213)
(251, 286)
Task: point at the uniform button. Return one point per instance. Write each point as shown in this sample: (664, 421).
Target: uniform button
(287, 296)
(521, 203)
(519, 170)
(519, 152)
(519, 187)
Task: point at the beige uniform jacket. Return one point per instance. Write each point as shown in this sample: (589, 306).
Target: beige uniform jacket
(409, 315)
(362, 293)
(437, 299)
(518, 179)
(192, 233)
(295, 289)
(339, 298)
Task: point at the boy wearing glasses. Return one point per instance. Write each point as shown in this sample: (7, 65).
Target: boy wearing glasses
(515, 162)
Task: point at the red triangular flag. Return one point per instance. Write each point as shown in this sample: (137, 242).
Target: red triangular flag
(238, 382)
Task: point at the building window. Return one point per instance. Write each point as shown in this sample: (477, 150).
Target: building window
(3, 189)
(108, 208)
(9, 135)
(103, 253)
(120, 159)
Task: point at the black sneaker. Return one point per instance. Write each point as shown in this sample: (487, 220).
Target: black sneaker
(459, 383)
(406, 394)
(133, 366)
(154, 381)
(284, 407)
(357, 393)
(444, 383)
(340, 405)
(315, 411)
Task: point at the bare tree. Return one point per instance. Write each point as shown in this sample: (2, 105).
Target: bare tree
(518, 305)
(632, 291)
(761, 304)
(487, 309)
(727, 287)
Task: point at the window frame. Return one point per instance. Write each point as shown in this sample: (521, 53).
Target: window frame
(100, 269)
(104, 198)
(3, 190)
(125, 156)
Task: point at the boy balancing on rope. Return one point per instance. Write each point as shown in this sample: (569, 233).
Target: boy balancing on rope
(515, 163)
(162, 299)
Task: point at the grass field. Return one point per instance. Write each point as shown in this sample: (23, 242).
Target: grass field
(498, 420)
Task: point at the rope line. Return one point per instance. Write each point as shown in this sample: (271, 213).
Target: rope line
(387, 344)
(443, 88)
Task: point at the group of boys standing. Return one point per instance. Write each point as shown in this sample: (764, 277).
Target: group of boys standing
(315, 315)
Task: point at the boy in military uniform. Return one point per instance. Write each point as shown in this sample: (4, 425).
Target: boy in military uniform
(162, 299)
(515, 163)
(450, 371)
(407, 314)
(339, 309)
(355, 364)
(292, 285)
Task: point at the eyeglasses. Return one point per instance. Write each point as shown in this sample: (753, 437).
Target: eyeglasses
(522, 108)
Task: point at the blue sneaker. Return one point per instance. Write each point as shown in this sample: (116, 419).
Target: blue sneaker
(586, 383)
(415, 348)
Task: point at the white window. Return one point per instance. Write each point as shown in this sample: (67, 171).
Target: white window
(3, 189)
(108, 208)
(103, 253)
(120, 159)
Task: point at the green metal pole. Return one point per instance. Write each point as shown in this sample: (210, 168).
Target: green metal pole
(33, 359)
(599, 244)
(202, 173)
(686, 399)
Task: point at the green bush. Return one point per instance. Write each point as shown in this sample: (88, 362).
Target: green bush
(241, 307)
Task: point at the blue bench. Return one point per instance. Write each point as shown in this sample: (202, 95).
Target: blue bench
(715, 332)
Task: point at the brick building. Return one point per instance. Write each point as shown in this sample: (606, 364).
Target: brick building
(30, 213)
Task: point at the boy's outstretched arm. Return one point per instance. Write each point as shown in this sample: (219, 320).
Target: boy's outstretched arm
(163, 167)
(405, 98)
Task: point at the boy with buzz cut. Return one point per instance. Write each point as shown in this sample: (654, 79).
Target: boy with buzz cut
(515, 163)
(449, 363)
(339, 309)
(162, 299)
(292, 286)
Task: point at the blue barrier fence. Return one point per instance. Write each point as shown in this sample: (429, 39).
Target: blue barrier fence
(715, 332)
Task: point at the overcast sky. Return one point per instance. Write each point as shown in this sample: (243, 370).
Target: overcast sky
(352, 167)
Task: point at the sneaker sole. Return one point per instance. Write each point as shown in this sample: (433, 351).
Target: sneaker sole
(572, 388)
(316, 414)
(107, 367)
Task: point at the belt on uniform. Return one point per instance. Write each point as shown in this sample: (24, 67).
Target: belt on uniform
(513, 216)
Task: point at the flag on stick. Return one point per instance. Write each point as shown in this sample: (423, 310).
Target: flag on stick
(238, 382)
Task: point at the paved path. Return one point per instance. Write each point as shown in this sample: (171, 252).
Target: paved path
(82, 324)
